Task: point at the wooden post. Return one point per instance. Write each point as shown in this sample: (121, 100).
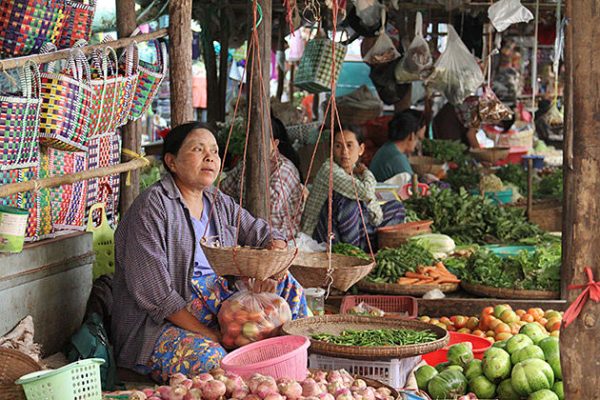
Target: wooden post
(223, 63)
(579, 343)
(257, 200)
(281, 48)
(132, 132)
(180, 56)
(210, 62)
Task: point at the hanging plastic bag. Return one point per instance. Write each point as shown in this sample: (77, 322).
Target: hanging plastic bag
(554, 117)
(457, 74)
(416, 63)
(384, 80)
(384, 50)
(248, 317)
(468, 112)
(507, 12)
(368, 11)
(492, 110)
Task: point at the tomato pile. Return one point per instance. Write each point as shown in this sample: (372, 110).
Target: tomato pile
(500, 322)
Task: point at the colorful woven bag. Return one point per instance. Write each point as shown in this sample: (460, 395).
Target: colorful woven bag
(26, 25)
(39, 223)
(67, 202)
(128, 68)
(150, 77)
(315, 69)
(104, 151)
(66, 103)
(78, 22)
(19, 116)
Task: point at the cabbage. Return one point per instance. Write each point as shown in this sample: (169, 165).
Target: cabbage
(436, 243)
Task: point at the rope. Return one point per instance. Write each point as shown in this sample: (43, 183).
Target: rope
(591, 292)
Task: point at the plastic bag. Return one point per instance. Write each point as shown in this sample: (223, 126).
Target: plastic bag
(364, 309)
(248, 317)
(369, 11)
(384, 80)
(307, 244)
(383, 51)
(507, 12)
(554, 117)
(492, 110)
(457, 74)
(417, 62)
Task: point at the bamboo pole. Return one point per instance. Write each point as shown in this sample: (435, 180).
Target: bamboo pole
(13, 188)
(18, 62)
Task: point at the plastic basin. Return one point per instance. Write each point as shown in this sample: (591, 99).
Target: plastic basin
(538, 161)
(480, 345)
(509, 251)
(500, 197)
(280, 357)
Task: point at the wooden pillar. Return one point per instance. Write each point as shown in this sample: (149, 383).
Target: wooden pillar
(180, 56)
(132, 132)
(581, 230)
(257, 200)
(281, 48)
(223, 63)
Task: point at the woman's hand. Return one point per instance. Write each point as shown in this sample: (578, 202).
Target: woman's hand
(359, 169)
(184, 319)
(277, 244)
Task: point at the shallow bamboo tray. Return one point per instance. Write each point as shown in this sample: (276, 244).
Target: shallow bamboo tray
(502, 293)
(335, 324)
(493, 154)
(13, 365)
(396, 235)
(407, 290)
(310, 269)
(423, 165)
(248, 261)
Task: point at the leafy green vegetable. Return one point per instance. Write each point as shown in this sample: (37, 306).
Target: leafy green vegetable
(515, 174)
(465, 176)
(394, 263)
(350, 250)
(446, 150)
(551, 185)
(378, 337)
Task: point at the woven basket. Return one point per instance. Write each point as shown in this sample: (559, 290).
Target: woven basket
(247, 261)
(501, 293)
(492, 155)
(302, 132)
(13, 365)
(406, 290)
(396, 235)
(310, 269)
(423, 165)
(335, 324)
(357, 115)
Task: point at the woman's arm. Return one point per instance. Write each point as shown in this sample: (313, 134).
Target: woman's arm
(184, 319)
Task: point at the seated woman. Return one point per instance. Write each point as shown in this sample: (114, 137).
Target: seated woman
(166, 296)
(286, 189)
(351, 178)
(405, 130)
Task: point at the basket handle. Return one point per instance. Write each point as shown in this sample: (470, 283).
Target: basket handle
(29, 77)
(103, 219)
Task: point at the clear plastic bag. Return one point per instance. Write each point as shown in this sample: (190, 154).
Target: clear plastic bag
(364, 309)
(383, 51)
(492, 110)
(416, 63)
(553, 117)
(507, 12)
(368, 11)
(248, 317)
(457, 74)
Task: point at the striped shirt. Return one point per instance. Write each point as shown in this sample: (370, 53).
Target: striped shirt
(154, 254)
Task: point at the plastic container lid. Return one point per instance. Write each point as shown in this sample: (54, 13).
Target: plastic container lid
(314, 292)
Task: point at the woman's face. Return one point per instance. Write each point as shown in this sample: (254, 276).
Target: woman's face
(347, 150)
(197, 163)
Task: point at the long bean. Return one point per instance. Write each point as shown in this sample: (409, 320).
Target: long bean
(378, 337)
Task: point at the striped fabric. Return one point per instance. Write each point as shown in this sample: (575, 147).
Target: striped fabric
(154, 251)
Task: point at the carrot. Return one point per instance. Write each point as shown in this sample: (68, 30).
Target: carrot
(445, 280)
(407, 281)
(415, 275)
(424, 282)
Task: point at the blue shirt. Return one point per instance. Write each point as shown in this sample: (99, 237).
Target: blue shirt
(201, 264)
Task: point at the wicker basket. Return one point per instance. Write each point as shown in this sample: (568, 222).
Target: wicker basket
(423, 165)
(501, 293)
(247, 261)
(492, 155)
(357, 115)
(310, 269)
(405, 290)
(335, 324)
(396, 235)
(13, 365)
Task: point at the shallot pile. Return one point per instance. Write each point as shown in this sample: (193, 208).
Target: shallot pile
(219, 385)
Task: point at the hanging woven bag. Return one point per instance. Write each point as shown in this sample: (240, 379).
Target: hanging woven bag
(77, 25)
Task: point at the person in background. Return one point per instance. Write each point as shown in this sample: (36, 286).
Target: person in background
(448, 125)
(285, 184)
(405, 131)
(166, 294)
(353, 195)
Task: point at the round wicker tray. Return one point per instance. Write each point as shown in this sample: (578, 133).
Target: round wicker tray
(335, 324)
(247, 261)
(310, 269)
(500, 293)
(13, 365)
(408, 290)
(396, 235)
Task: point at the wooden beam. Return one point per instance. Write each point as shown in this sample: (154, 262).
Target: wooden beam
(132, 132)
(180, 55)
(579, 342)
(257, 176)
(64, 54)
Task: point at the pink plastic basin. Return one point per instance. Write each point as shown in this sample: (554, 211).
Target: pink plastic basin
(280, 357)
(480, 345)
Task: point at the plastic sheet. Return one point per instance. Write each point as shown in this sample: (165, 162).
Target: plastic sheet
(507, 12)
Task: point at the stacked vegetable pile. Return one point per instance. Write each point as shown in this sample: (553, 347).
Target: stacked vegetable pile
(500, 322)
(538, 270)
(525, 366)
(452, 151)
(218, 385)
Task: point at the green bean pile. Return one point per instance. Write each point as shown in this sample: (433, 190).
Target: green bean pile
(378, 337)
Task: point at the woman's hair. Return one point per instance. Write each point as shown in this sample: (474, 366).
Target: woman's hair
(285, 147)
(357, 130)
(404, 123)
(175, 138)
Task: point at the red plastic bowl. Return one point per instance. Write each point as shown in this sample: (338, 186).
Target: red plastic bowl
(480, 345)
